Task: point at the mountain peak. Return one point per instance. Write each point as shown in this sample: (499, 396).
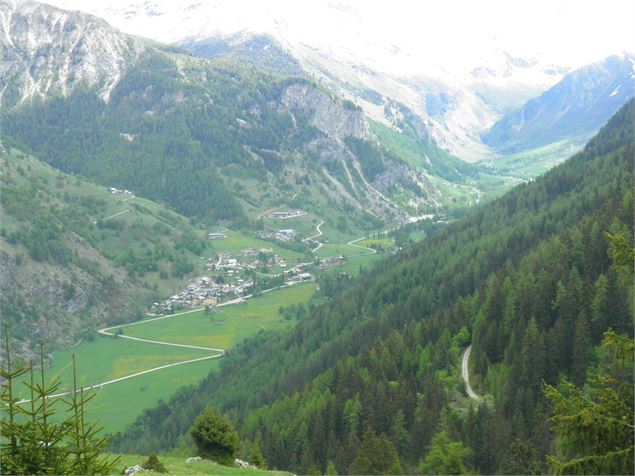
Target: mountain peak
(48, 51)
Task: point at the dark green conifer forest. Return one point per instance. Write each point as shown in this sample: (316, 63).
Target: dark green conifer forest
(532, 281)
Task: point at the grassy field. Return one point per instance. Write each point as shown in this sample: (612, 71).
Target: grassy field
(178, 465)
(229, 326)
(383, 242)
(338, 249)
(236, 242)
(106, 358)
(304, 225)
(531, 163)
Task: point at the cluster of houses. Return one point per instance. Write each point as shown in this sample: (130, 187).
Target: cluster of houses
(125, 193)
(286, 234)
(287, 214)
(250, 258)
(300, 278)
(331, 261)
(202, 292)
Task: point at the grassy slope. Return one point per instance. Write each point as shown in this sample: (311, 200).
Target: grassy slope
(178, 465)
(533, 162)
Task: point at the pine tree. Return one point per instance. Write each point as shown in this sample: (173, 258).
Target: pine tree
(214, 437)
(34, 442)
(445, 456)
(255, 456)
(521, 458)
(581, 343)
(595, 424)
(376, 455)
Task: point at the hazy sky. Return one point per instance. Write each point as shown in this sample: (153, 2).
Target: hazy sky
(395, 35)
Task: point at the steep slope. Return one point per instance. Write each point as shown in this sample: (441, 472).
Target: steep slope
(458, 101)
(521, 276)
(575, 108)
(455, 108)
(195, 133)
(47, 51)
(74, 255)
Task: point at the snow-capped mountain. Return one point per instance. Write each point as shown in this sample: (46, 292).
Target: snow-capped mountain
(456, 108)
(456, 89)
(576, 107)
(45, 50)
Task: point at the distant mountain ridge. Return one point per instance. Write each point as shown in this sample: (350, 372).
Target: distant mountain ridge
(455, 109)
(260, 50)
(575, 107)
(194, 132)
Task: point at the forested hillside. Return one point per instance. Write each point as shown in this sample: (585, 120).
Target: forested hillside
(218, 139)
(74, 255)
(527, 279)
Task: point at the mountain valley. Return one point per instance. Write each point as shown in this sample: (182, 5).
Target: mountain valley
(238, 242)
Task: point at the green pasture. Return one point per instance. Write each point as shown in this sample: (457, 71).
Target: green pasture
(338, 249)
(106, 358)
(236, 242)
(384, 242)
(230, 325)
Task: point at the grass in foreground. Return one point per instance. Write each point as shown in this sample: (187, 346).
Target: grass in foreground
(178, 465)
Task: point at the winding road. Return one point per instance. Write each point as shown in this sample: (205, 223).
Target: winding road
(106, 332)
(319, 233)
(465, 373)
(371, 251)
(215, 352)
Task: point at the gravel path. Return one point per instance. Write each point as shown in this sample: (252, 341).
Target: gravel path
(465, 372)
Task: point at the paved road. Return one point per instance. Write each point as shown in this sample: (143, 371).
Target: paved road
(465, 372)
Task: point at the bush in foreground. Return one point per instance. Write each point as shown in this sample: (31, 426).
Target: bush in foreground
(214, 436)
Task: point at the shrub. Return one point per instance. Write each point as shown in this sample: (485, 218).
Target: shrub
(214, 437)
(153, 464)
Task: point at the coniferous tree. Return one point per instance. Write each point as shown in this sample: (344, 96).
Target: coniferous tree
(595, 424)
(214, 436)
(445, 456)
(376, 455)
(34, 442)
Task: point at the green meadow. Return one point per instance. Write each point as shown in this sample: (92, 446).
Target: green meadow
(236, 242)
(230, 325)
(105, 358)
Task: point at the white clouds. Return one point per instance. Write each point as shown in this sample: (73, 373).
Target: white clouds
(397, 35)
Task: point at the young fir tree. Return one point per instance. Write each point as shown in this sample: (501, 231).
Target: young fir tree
(214, 437)
(376, 455)
(255, 456)
(445, 456)
(35, 441)
(595, 423)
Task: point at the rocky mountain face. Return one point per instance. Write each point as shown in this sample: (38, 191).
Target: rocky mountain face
(575, 107)
(46, 51)
(179, 129)
(335, 119)
(260, 50)
(453, 110)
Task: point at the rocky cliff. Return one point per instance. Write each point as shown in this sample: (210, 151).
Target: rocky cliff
(336, 119)
(45, 51)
